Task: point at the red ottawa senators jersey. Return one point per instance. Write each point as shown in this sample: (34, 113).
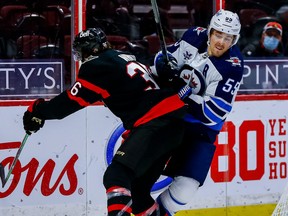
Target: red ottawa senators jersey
(122, 83)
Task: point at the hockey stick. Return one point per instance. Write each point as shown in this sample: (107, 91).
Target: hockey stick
(159, 29)
(2, 172)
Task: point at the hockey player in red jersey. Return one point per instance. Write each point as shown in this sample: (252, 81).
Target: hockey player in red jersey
(125, 87)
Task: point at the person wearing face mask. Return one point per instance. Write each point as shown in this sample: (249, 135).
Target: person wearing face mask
(270, 43)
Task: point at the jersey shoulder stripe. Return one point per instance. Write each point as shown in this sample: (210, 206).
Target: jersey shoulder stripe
(104, 93)
(210, 114)
(78, 100)
(221, 103)
(196, 36)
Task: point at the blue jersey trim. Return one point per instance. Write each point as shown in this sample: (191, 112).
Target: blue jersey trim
(191, 119)
(222, 104)
(210, 114)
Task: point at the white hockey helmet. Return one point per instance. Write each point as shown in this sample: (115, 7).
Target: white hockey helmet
(227, 22)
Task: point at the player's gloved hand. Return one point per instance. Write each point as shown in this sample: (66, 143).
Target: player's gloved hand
(166, 69)
(31, 120)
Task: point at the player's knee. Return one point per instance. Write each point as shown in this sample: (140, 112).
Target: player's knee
(117, 174)
(107, 177)
(178, 194)
(183, 188)
(201, 160)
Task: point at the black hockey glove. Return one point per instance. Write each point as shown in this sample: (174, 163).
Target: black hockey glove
(166, 70)
(31, 120)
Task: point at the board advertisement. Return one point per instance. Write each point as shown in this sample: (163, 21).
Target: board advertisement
(61, 167)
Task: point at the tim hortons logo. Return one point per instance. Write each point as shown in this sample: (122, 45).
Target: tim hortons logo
(34, 175)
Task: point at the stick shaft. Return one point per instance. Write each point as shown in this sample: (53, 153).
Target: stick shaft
(16, 158)
(159, 28)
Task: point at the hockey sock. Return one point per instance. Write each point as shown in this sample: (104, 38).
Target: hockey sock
(117, 181)
(162, 210)
(178, 194)
(119, 201)
(152, 211)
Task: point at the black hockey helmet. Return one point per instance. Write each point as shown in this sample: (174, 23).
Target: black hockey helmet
(88, 42)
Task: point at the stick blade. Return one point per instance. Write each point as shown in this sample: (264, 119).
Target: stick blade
(2, 175)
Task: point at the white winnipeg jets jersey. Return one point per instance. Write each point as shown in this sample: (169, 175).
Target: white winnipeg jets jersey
(223, 76)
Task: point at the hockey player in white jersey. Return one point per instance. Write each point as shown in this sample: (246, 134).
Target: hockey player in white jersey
(211, 62)
(212, 53)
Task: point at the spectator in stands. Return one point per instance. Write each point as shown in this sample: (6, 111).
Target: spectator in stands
(199, 11)
(270, 43)
(115, 17)
(126, 21)
(282, 15)
(99, 13)
(148, 26)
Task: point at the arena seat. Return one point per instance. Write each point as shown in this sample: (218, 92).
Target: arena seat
(118, 42)
(248, 16)
(32, 23)
(154, 43)
(26, 44)
(11, 14)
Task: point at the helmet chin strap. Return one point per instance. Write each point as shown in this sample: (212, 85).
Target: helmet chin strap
(208, 46)
(88, 58)
(208, 50)
(95, 50)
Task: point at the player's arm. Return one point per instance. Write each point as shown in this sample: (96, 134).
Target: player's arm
(210, 110)
(175, 55)
(179, 54)
(80, 95)
(164, 69)
(216, 104)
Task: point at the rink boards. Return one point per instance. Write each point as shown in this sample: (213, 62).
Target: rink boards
(61, 167)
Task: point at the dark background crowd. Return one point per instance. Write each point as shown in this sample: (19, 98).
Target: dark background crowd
(131, 20)
(33, 29)
(134, 21)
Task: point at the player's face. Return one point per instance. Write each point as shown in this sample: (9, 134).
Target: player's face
(219, 43)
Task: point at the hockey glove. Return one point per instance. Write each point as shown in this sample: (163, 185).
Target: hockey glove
(31, 120)
(166, 70)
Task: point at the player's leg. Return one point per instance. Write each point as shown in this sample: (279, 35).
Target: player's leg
(177, 195)
(189, 166)
(117, 181)
(143, 204)
(134, 157)
(123, 170)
